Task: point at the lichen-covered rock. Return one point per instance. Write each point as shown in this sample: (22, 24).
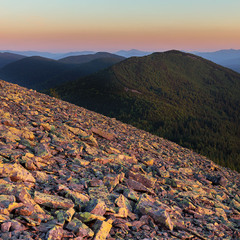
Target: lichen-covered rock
(130, 194)
(46, 126)
(121, 212)
(236, 204)
(79, 228)
(143, 179)
(42, 150)
(52, 201)
(25, 210)
(28, 135)
(16, 172)
(126, 159)
(147, 206)
(96, 206)
(56, 233)
(40, 176)
(64, 215)
(3, 218)
(8, 204)
(137, 186)
(111, 181)
(123, 202)
(100, 193)
(104, 134)
(88, 217)
(78, 199)
(101, 229)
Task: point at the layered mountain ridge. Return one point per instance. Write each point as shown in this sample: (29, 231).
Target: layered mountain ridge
(42, 73)
(70, 173)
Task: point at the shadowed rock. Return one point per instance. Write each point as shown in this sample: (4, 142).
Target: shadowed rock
(79, 228)
(101, 229)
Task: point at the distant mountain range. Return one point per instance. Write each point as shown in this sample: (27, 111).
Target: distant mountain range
(132, 53)
(40, 73)
(227, 58)
(57, 56)
(177, 95)
(54, 56)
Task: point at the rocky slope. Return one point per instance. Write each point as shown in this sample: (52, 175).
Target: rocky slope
(69, 173)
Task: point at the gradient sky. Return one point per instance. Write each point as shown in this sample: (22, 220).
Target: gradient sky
(109, 25)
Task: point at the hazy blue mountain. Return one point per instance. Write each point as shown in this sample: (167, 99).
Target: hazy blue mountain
(89, 57)
(229, 58)
(6, 58)
(132, 53)
(68, 54)
(57, 56)
(54, 56)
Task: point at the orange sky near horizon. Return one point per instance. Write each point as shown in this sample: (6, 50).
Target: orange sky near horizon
(149, 25)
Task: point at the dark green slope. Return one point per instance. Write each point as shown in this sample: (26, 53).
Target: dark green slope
(81, 70)
(175, 95)
(32, 72)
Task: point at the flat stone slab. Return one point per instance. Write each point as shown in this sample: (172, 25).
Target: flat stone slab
(52, 201)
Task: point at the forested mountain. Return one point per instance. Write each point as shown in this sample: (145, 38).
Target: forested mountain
(176, 95)
(32, 72)
(41, 73)
(6, 58)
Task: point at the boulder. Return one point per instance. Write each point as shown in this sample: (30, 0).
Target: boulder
(16, 172)
(52, 201)
(79, 228)
(101, 230)
(148, 206)
(96, 206)
(104, 134)
(149, 182)
(56, 233)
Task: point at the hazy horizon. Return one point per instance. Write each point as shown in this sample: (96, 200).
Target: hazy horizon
(106, 25)
(115, 51)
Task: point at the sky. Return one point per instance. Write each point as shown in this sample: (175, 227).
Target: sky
(111, 25)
